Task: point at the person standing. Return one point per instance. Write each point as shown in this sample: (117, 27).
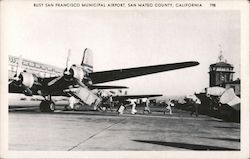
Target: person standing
(133, 110)
(195, 107)
(111, 103)
(168, 107)
(121, 109)
(71, 103)
(146, 108)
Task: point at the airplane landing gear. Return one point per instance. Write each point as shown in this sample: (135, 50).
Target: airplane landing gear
(47, 106)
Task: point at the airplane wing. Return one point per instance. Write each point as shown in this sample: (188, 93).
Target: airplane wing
(58, 84)
(112, 75)
(42, 84)
(107, 87)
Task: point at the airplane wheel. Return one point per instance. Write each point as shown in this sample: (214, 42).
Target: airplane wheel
(47, 106)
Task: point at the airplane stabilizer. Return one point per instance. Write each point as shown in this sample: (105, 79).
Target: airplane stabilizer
(107, 87)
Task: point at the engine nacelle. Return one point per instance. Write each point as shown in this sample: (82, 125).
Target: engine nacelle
(26, 79)
(77, 73)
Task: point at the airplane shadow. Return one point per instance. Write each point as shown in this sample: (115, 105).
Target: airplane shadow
(227, 127)
(225, 139)
(30, 110)
(186, 145)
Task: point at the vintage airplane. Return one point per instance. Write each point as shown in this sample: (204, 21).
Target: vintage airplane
(75, 80)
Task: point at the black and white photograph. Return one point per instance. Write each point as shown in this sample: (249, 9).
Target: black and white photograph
(124, 79)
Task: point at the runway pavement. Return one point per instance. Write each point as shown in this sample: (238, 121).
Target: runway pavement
(90, 130)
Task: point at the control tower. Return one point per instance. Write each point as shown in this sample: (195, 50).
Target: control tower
(220, 72)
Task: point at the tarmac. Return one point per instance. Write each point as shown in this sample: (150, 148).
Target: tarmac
(31, 130)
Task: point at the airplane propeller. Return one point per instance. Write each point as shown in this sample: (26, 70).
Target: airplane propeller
(19, 68)
(66, 72)
(80, 83)
(54, 81)
(68, 65)
(18, 78)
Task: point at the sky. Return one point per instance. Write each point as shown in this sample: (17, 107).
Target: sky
(128, 38)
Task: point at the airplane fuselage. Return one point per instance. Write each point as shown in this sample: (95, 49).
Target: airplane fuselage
(39, 69)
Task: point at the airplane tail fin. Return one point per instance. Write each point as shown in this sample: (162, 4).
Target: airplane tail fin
(87, 60)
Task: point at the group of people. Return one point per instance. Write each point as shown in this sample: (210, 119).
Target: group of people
(108, 103)
(133, 104)
(168, 107)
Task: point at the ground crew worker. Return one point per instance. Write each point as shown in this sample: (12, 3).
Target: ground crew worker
(169, 106)
(102, 106)
(121, 109)
(146, 108)
(111, 103)
(133, 110)
(71, 102)
(195, 107)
